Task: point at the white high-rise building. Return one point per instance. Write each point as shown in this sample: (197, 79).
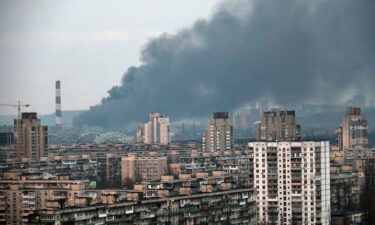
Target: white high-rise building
(292, 180)
(164, 134)
(156, 131)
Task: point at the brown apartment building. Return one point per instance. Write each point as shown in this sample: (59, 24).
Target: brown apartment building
(142, 168)
(31, 137)
(21, 198)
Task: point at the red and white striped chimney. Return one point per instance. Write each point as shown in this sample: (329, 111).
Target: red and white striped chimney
(58, 106)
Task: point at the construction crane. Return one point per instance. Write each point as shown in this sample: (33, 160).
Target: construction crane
(18, 106)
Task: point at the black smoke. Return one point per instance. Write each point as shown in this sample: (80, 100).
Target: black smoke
(290, 51)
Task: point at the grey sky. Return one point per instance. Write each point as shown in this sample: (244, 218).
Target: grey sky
(87, 44)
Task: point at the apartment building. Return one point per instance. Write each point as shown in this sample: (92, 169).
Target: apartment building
(156, 131)
(352, 134)
(219, 135)
(236, 163)
(108, 171)
(6, 136)
(142, 168)
(204, 199)
(292, 180)
(31, 138)
(346, 188)
(21, 198)
(280, 126)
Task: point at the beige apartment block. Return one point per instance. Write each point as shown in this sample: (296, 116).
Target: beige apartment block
(31, 138)
(142, 168)
(156, 131)
(21, 198)
(352, 134)
(279, 126)
(219, 135)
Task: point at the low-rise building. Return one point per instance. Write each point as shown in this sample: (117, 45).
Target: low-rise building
(142, 168)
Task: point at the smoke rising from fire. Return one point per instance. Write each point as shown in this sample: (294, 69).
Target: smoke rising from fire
(289, 51)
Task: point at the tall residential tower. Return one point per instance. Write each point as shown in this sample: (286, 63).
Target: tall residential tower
(219, 135)
(156, 131)
(279, 126)
(31, 137)
(353, 130)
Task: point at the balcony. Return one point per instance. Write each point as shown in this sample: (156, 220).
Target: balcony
(234, 215)
(129, 210)
(233, 202)
(102, 213)
(274, 199)
(79, 216)
(46, 218)
(28, 196)
(297, 209)
(242, 202)
(110, 218)
(223, 217)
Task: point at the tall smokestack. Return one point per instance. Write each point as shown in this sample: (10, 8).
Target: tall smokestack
(58, 106)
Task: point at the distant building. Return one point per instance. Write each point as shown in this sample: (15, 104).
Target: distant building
(263, 105)
(156, 131)
(219, 135)
(241, 118)
(352, 134)
(292, 180)
(6, 135)
(349, 160)
(31, 137)
(281, 126)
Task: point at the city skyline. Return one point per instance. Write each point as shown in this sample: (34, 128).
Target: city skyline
(256, 112)
(193, 31)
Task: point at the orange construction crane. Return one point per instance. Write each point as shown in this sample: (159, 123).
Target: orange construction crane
(18, 106)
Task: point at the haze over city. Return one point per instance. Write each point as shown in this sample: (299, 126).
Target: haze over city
(216, 55)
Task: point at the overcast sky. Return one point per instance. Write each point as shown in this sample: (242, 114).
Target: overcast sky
(86, 44)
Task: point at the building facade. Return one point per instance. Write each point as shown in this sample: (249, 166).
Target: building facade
(208, 198)
(31, 137)
(352, 134)
(279, 126)
(6, 135)
(219, 135)
(292, 180)
(21, 198)
(142, 168)
(156, 131)
(108, 171)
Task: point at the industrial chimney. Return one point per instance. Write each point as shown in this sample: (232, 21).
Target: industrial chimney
(58, 106)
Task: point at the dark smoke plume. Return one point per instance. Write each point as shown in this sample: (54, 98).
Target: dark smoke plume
(290, 51)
